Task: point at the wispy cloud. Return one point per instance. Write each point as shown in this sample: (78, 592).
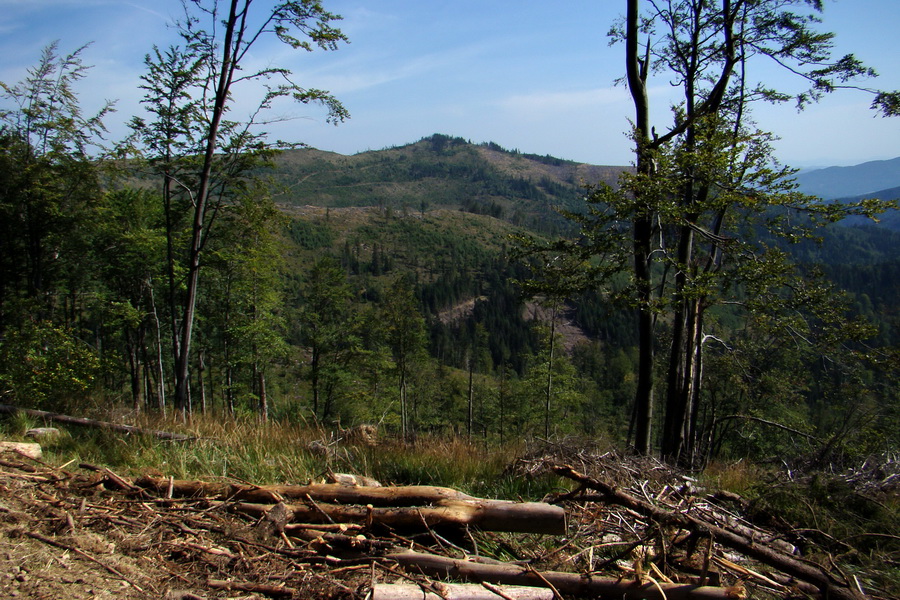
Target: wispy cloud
(359, 72)
(543, 101)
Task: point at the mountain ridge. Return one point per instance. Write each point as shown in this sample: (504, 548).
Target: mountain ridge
(441, 171)
(864, 179)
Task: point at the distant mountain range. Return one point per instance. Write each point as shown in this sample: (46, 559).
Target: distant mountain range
(870, 179)
(890, 219)
(876, 179)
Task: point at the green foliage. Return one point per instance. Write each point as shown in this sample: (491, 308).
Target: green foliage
(331, 331)
(46, 366)
(49, 197)
(310, 235)
(693, 224)
(49, 186)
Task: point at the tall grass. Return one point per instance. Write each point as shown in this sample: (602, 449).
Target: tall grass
(280, 452)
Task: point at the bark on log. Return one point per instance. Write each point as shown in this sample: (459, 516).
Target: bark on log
(413, 495)
(31, 450)
(272, 591)
(130, 429)
(524, 517)
(337, 540)
(565, 583)
(829, 586)
(457, 591)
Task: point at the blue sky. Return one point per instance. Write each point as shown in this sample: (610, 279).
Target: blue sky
(527, 74)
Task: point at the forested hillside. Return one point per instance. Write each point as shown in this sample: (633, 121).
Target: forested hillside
(422, 287)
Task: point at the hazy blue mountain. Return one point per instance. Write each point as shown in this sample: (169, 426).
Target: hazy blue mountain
(841, 182)
(890, 219)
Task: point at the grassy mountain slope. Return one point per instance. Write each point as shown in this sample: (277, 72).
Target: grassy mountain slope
(440, 172)
(411, 240)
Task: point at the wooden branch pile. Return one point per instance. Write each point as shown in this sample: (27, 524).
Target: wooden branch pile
(684, 524)
(215, 539)
(379, 515)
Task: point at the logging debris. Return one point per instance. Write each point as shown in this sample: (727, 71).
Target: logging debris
(165, 538)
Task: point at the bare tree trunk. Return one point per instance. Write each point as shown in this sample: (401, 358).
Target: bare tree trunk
(129, 429)
(198, 230)
(201, 365)
(568, 584)
(404, 425)
(133, 346)
(548, 392)
(693, 409)
(471, 398)
(161, 375)
(314, 366)
(263, 398)
(643, 233)
(451, 591)
(488, 515)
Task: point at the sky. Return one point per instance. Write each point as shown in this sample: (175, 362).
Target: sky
(530, 75)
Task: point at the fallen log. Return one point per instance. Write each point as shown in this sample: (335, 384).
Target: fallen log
(828, 586)
(31, 450)
(567, 584)
(130, 429)
(489, 515)
(457, 591)
(412, 495)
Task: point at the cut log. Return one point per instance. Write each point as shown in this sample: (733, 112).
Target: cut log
(131, 429)
(351, 479)
(40, 433)
(457, 591)
(29, 449)
(488, 515)
(804, 571)
(567, 584)
(412, 495)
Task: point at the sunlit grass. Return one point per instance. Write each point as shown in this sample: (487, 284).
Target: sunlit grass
(281, 452)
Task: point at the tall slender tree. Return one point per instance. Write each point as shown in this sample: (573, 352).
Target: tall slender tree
(405, 335)
(329, 328)
(189, 91)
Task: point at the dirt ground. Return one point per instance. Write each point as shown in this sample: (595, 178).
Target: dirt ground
(64, 535)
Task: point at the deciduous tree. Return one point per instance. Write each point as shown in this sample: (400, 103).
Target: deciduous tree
(203, 157)
(705, 183)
